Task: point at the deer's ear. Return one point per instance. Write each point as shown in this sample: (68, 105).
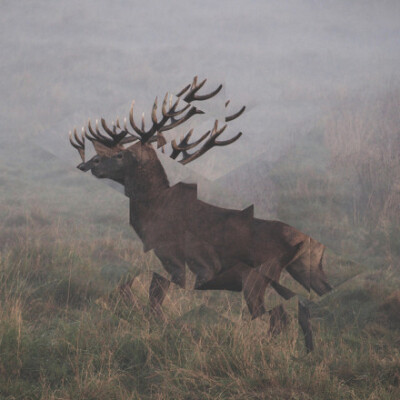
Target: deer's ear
(102, 150)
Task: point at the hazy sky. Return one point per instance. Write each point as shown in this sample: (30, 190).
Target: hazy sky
(65, 61)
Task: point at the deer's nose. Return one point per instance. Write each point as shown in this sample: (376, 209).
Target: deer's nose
(83, 167)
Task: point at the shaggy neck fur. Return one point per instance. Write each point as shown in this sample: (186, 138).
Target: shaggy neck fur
(145, 178)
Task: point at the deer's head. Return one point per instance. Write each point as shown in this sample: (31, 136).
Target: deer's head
(116, 161)
(108, 163)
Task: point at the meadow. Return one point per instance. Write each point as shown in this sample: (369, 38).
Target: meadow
(67, 332)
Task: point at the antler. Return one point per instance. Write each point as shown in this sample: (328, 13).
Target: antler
(79, 143)
(159, 126)
(114, 138)
(235, 115)
(212, 141)
(118, 136)
(194, 88)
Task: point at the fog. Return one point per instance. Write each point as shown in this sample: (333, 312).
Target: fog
(63, 62)
(289, 62)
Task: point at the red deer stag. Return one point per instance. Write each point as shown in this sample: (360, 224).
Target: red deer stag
(225, 249)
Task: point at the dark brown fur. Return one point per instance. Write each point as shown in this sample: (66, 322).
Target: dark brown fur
(226, 249)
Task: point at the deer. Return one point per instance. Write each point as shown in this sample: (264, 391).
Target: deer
(225, 249)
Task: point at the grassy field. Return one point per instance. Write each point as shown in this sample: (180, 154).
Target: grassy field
(66, 332)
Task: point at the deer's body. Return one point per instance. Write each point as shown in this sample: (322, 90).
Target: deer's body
(220, 246)
(225, 249)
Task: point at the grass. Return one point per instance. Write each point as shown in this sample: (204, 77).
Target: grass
(67, 333)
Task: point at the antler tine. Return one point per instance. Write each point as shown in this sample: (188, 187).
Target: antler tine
(215, 131)
(190, 85)
(80, 143)
(106, 128)
(200, 85)
(164, 105)
(176, 122)
(154, 112)
(194, 88)
(160, 126)
(180, 93)
(178, 149)
(71, 140)
(94, 135)
(184, 145)
(130, 133)
(171, 113)
(121, 136)
(210, 143)
(114, 137)
(235, 115)
(143, 122)
(99, 134)
(209, 95)
(132, 121)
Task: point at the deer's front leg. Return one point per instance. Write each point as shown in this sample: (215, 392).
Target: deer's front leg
(254, 286)
(157, 292)
(173, 262)
(125, 290)
(278, 320)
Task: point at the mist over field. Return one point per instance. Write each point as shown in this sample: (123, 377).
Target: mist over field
(320, 151)
(291, 63)
(63, 62)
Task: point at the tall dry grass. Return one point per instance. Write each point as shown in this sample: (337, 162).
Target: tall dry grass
(67, 333)
(363, 137)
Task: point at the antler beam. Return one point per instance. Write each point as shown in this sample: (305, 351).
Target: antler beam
(211, 142)
(184, 144)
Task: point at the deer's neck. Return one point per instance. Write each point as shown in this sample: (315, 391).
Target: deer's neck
(145, 182)
(143, 185)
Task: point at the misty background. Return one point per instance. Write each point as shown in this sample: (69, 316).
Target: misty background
(290, 62)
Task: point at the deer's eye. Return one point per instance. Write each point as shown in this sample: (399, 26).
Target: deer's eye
(96, 160)
(119, 155)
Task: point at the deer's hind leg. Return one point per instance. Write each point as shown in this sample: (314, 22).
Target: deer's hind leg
(279, 317)
(254, 287)
(239, 278)
(305, 324)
